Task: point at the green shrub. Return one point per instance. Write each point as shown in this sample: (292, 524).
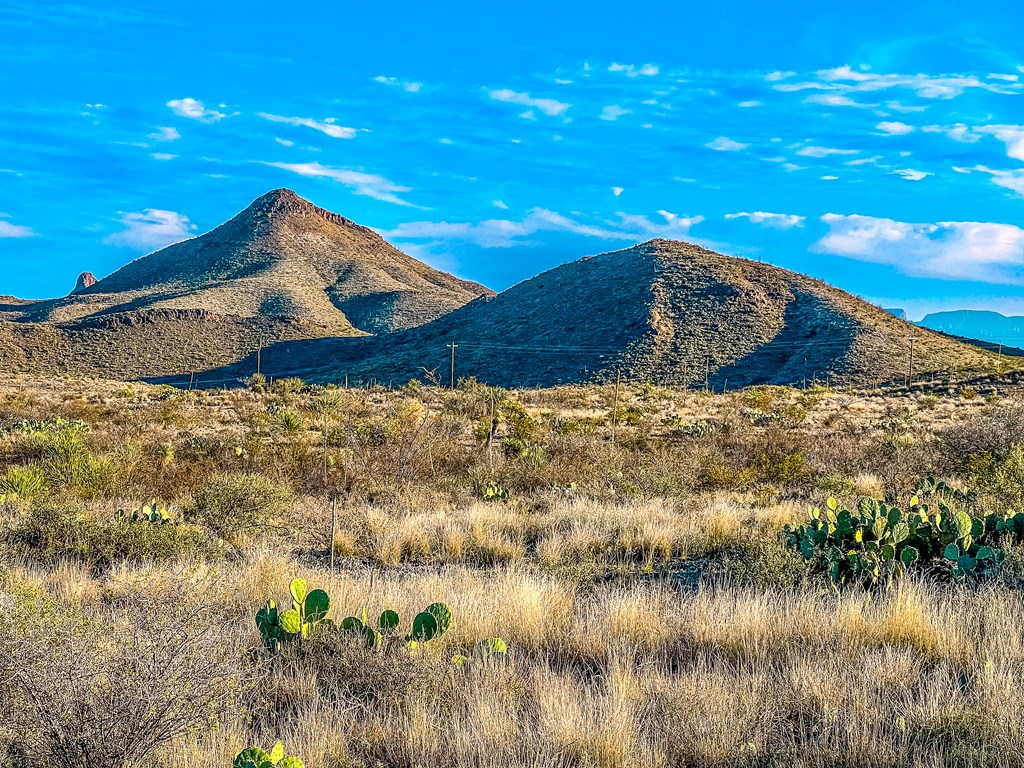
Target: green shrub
(237, 503)
(49, 535)
(26, 483)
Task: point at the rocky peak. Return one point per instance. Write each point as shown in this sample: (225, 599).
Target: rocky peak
(85, 280)
(279, 204)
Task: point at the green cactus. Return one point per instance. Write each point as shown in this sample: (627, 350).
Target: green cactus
(308, 612)
(149, 513)
(878, 542)
(254, 757)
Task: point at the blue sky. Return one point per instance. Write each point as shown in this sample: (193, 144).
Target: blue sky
(879, 146)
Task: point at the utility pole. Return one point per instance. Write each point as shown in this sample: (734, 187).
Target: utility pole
(615, 408)
(453, 346)
(910, 366)
(334, 528)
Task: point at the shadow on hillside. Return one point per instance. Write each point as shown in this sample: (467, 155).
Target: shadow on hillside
(811, 345)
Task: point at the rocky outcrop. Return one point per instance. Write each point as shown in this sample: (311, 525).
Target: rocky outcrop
(85, 280)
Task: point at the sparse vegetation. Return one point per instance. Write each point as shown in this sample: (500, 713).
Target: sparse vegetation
(485, 577)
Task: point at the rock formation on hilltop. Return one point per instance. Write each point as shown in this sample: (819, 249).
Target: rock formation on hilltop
(85, 280)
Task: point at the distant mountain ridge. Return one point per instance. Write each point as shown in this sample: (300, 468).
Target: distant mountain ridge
(978, 324)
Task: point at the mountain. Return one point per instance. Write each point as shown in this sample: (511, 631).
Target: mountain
(281, 269)
(662, 311)
(978, 324)
(900, 313)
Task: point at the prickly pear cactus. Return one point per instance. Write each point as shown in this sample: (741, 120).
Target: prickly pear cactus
(877, 543)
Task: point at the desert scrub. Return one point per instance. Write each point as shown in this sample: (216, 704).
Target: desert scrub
(236, 504)
(105, 687)
(49, 535)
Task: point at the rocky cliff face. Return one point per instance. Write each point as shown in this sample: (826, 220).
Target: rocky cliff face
(85, 280)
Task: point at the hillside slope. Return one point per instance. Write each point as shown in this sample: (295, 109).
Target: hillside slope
(663, 311)
(281, 269)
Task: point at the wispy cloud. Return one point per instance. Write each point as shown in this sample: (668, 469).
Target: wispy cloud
(151, 229)
(633, 70)
(613, 112)
(7, 229)
(368, 184)
(550, 107)
(835, 100)
(894, 128)
(772, 220)
(410, 86)
(504, 233)
(819, 152)
(952, 250)
(845, 80)
(1012, 180)
(911, 174)
(162, 156)
(725, 144)
(164, 133)
(194, 109)
(328, 126)
(1011, 135)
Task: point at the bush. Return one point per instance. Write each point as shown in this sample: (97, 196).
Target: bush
(238, 503)
(50, 535)
(108, 689)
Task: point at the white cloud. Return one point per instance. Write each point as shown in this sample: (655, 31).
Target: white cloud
(550, 107)
(631, 70)
(834, 100)
(151, 229)
(617, 191)
(499, 204)
(328, 126)
(502, 233)
(410, 86)
(814, 151)
(749, 104)
(194, 109)
(13, 230)
(873, 160)
(911, 175)
(846, 80)
(614, 112)
(725, 144)
(772, 220)
(954, 250)
(794, 167)
(165, 133)
(284, 142)
(1012, 180)
(162, 156)
(895, 128)
(367, 184)
(774, 77)
(1011, 135)
(829, 178)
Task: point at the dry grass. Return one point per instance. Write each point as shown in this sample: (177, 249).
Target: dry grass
(633, 638)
